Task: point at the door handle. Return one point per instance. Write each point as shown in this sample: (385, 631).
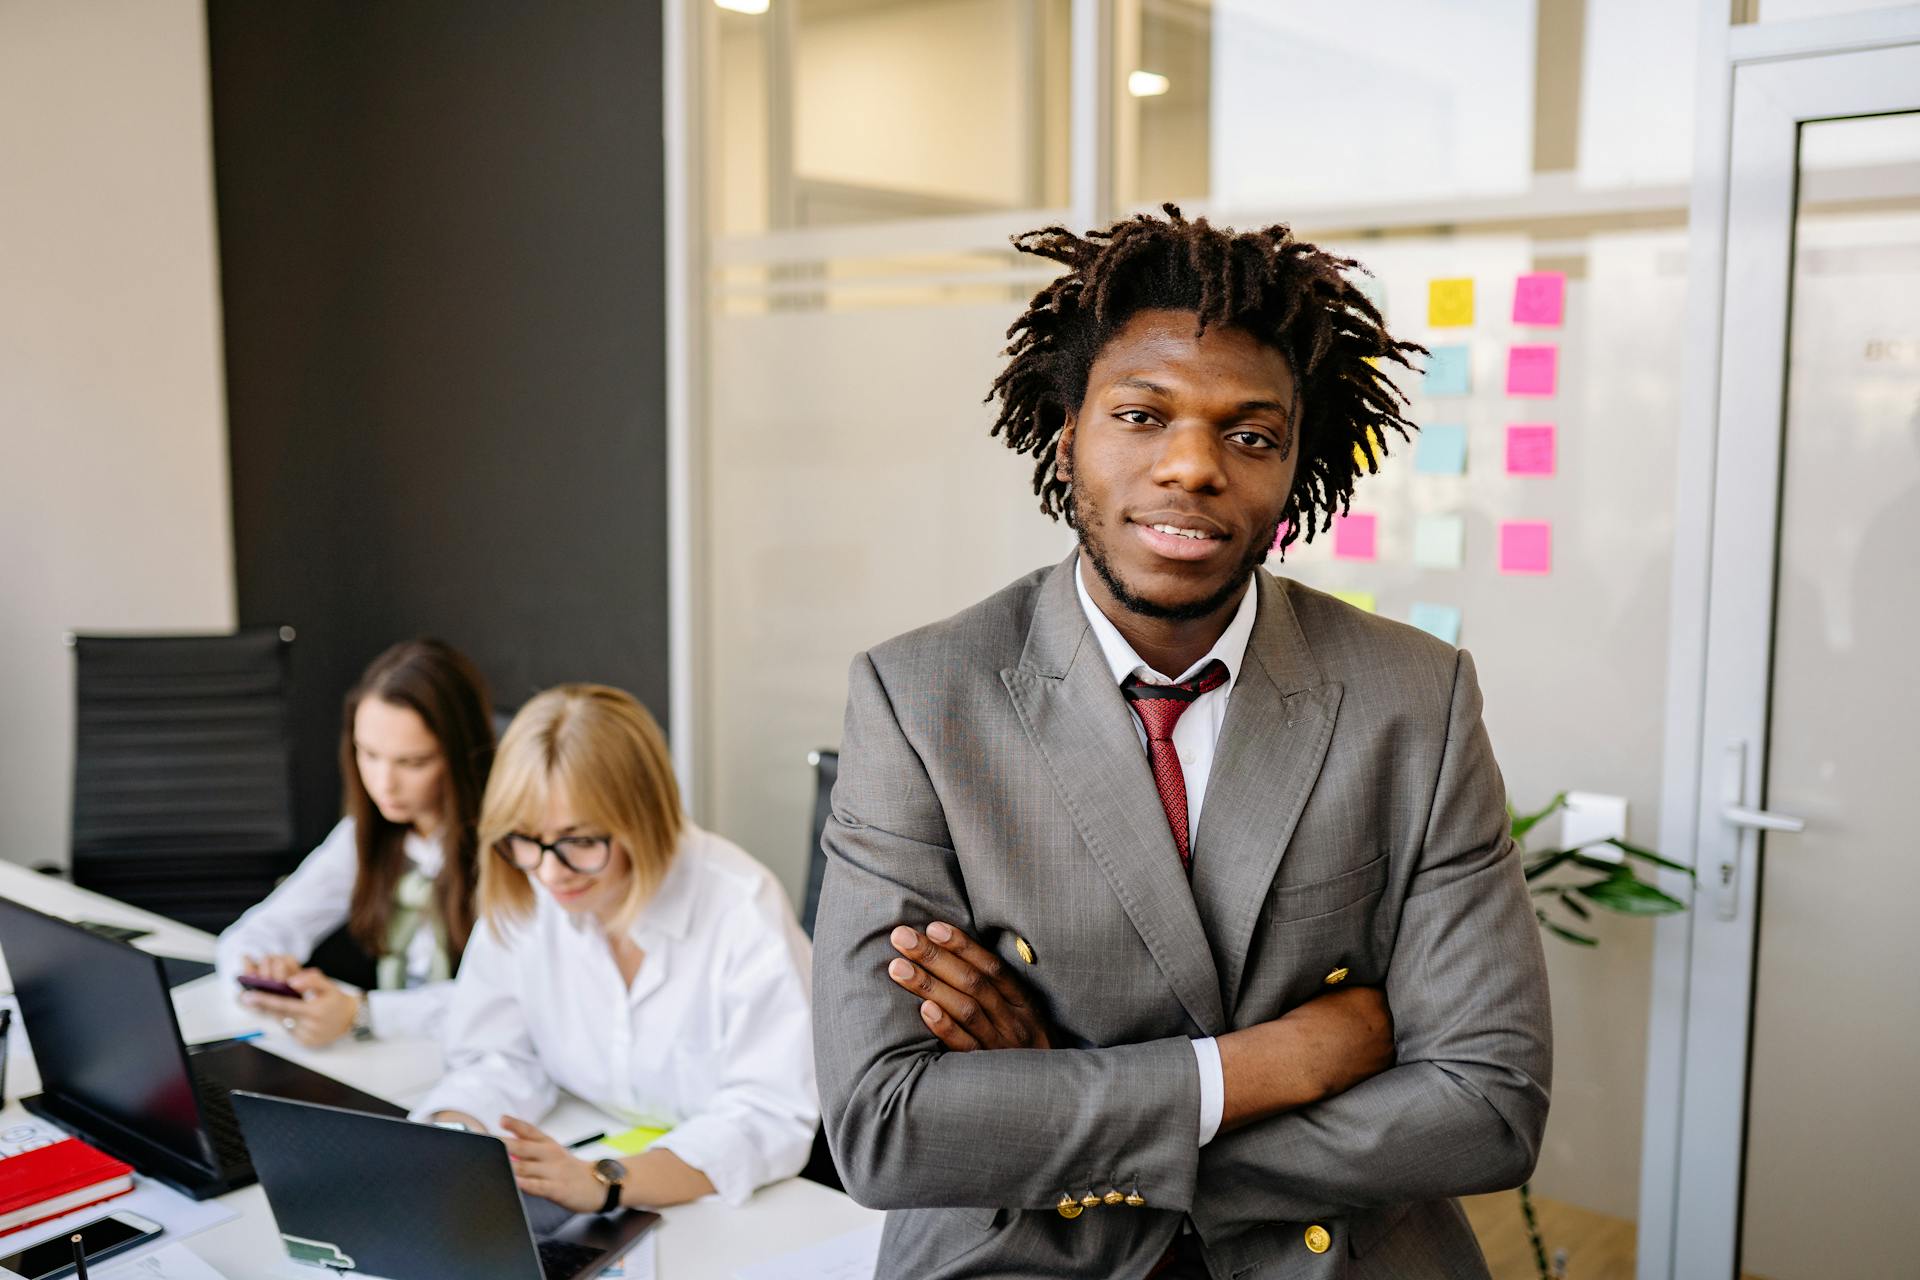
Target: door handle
(1747, 821)
(1761, 820)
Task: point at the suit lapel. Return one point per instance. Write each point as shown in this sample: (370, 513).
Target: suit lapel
(1072, 711)
(1271, 746)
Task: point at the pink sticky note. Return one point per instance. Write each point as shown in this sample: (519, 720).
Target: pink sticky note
(1540, 298)
(1532, 369)
(1354, 537)
(1530, 450)
(1279, 536)
(1526, 546)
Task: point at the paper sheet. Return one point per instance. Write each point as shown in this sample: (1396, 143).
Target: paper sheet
(642, 1262)
(1540, 298)
(1442, 450)
(1439, 542)
(1355, 537)
(1442, 620)
(1449, 373)
(1450, 302)
(27, 1135)
(849, 1257)
(167, 1262)
(1530, 449)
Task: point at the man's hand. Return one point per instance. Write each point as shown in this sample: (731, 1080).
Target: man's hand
(322, 1013)
(543, 1167)
(1322, 1048)
(968, 999)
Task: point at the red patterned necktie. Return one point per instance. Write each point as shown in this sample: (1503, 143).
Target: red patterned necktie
(1160, 707)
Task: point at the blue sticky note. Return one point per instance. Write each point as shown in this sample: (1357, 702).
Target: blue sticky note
(1442, 620)
(1442, 450)
(1449, 372)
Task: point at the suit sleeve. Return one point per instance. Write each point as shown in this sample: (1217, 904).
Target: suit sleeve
(911, 1124)
(1463, 1110)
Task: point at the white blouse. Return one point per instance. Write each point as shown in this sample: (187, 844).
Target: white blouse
(312, 902)
(712, 1040)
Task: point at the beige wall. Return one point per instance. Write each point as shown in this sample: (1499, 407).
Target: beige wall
(113, 489)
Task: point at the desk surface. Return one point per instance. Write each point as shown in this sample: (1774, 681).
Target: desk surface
(702, 1241)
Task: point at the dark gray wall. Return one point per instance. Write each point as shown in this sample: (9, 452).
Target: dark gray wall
(440, 231)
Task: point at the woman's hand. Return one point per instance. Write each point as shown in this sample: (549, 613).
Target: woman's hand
(278, 968)
(323, 1013)
(472, 1123)
(542, 1167)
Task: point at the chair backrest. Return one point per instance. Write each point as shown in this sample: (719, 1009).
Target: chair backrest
(826, 768)
(182, 770)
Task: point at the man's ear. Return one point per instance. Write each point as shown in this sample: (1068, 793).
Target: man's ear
(1063, 451)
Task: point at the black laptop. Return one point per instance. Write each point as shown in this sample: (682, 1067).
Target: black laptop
(390, 1198)
(114, 1070)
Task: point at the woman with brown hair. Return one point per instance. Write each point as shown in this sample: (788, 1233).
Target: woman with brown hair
(653, 969)
(399, 871)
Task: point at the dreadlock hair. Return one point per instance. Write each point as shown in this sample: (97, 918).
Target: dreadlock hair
(1284, 292)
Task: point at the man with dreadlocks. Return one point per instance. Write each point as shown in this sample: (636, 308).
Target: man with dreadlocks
(1171, 924)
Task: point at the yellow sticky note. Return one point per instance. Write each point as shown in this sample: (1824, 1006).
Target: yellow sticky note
(634, 1140)
(1358, 599)
(1360, 451)
(1450, 302)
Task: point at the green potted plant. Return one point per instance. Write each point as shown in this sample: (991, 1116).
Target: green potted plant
(1568, 885)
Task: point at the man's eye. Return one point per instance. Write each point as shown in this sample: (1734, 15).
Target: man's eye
(1138, 417)
(1253, 439)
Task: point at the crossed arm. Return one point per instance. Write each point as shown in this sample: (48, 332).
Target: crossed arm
(1317, 1122)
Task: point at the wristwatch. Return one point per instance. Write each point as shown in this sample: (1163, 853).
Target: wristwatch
(363, 1018)
(612, 1173)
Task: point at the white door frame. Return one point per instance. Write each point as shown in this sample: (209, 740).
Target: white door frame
(1758, 83)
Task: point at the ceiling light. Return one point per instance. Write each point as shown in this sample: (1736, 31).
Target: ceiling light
(1147, 84)
(743, 6)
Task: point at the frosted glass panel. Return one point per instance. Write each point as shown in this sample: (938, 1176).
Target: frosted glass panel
(1833, 1150)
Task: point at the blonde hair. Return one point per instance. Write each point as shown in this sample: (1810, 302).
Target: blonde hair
(602, 747)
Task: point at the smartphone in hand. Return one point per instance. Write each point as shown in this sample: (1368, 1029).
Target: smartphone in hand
(270, 986)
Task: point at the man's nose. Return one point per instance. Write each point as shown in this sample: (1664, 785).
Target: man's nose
(1190, 458)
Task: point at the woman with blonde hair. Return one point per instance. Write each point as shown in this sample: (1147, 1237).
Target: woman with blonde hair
(642, 964)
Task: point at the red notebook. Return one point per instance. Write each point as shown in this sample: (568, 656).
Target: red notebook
(55, 1179)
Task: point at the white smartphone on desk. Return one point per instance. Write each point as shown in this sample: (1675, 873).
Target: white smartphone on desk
(102, 1239)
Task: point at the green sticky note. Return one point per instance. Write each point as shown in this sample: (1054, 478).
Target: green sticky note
(1439, 542)
(635, 1140)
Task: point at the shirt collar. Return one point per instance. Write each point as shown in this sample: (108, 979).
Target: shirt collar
(1230, 648)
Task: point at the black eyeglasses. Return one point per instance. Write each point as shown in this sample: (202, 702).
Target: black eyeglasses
(582, 855)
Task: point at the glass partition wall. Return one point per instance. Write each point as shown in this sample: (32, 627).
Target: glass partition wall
(865, 162)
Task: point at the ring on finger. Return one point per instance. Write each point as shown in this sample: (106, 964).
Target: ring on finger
(288, 1023)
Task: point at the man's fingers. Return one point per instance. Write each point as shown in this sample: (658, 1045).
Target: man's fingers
(991, 967)
(946, 1030)
(958, 1006)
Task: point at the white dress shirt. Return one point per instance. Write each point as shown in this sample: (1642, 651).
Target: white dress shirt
(1194, 737)
(312, 902)
(713, 1039)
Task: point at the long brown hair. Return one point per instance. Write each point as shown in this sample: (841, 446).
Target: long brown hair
(442, 686)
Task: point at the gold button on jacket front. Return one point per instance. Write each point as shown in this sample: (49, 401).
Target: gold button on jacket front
(1318, 1238)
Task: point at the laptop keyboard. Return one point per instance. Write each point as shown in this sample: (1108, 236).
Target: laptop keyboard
(223, 1126)
(560, 1260)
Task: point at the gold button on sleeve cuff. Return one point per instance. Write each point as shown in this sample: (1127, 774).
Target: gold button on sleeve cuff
(1068, 1206)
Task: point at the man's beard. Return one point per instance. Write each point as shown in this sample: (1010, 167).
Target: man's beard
(1086, 520)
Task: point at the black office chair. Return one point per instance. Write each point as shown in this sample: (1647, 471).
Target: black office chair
(826, 767)
(182, 771)
(826, 770)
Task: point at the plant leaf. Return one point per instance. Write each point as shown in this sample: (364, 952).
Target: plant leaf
(1561, 931)
(1572, 904)
(1623, 893)
(1547, 862)
(1527, 822)
(1647, 855)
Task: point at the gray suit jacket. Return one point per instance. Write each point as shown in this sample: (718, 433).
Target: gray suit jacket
(1354, 820)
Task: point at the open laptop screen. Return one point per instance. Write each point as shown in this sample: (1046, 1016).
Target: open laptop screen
(101, 1023)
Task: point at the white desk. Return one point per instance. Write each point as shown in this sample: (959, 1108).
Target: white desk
(703, 1241)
